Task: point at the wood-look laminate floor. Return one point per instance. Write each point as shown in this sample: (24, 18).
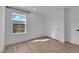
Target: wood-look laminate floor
(46, 45)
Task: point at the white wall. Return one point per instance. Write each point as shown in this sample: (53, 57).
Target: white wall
(67, 24)
(71, 25)
(74, 25)
(55, 25)
(34, 27)
(2, 28)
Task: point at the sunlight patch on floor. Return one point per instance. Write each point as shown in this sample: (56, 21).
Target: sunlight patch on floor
(42, 40)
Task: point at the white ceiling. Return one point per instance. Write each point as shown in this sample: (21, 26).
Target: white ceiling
(42, 10)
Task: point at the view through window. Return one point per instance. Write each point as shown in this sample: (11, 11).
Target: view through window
(19, 23)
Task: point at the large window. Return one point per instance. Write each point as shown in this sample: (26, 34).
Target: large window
(18, 23)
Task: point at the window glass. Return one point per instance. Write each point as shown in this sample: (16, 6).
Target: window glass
(19, 22)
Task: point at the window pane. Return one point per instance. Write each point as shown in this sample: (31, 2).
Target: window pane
(15, 28)
(19, 22)
(22, 29)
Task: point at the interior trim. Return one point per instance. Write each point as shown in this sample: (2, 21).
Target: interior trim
(18, 9)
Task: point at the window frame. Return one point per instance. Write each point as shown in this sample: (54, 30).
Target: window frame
(17, 13)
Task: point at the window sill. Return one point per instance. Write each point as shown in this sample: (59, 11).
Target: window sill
(19, 33)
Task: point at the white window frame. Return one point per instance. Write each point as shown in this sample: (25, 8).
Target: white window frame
(12, 22)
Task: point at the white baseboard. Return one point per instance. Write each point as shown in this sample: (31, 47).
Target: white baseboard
(74, 42)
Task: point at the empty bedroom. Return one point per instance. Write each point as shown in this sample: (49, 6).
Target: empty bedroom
(39, 29)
